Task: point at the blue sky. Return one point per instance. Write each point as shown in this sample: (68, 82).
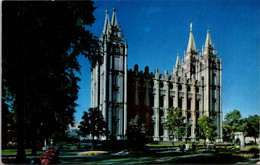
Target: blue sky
(156, 30)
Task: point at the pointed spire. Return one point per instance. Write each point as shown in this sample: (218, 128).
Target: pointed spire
(177, 61)
(107, 23)
(208, 39)
(191, 43)
(114, 20)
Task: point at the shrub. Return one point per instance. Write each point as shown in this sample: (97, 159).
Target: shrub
(50, 156)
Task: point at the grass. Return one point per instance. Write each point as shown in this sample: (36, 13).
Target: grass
(251, 146)
(162, 144)
(14, 151)
(159, 144)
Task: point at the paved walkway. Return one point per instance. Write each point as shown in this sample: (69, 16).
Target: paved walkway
(153, 155)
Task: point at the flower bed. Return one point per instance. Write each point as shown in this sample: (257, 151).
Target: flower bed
(92, 153)
(50, 156)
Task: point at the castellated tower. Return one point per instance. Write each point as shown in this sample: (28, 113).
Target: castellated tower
(194, 85)
(109, 79)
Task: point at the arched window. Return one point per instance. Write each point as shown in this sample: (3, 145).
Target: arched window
(180, 87)
(161, 84)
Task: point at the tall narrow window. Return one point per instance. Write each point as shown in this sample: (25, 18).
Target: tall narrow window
(171, 102)
(213, 79)
(197, 105)
(189, 104)
(213, 94)
(213, 106)
(151, 100)
(115, 83)
(180, 103)
(115, 120)
(161, 101)
(114, 96)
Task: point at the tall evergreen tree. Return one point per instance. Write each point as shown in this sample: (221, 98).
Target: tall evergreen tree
(136, 132)
(92, 124)
(41, 42)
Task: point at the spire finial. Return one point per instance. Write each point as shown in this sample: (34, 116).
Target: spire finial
(114, 8)
(191, 26)
(107, 11)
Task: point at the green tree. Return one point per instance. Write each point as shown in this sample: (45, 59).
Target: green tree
(92, 124)
(206, 128)
(175, 123)
(231, 125)
(136, 132)
(38, 71)
(8, 120)
(200, 134)
(253, 126)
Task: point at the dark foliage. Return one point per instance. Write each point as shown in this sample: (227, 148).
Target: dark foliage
(41, 42)
(92, 124)
(252, 128)
(136, 133)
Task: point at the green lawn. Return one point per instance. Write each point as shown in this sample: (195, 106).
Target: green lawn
(13, 152)
(159, 144)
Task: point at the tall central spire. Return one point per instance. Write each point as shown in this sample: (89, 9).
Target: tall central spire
(191, 43)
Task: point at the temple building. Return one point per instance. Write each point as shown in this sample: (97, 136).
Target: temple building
(194, 85)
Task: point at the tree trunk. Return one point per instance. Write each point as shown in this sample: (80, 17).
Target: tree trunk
(20, 157)
(20, 100)
(34, 148)
(93, 143)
